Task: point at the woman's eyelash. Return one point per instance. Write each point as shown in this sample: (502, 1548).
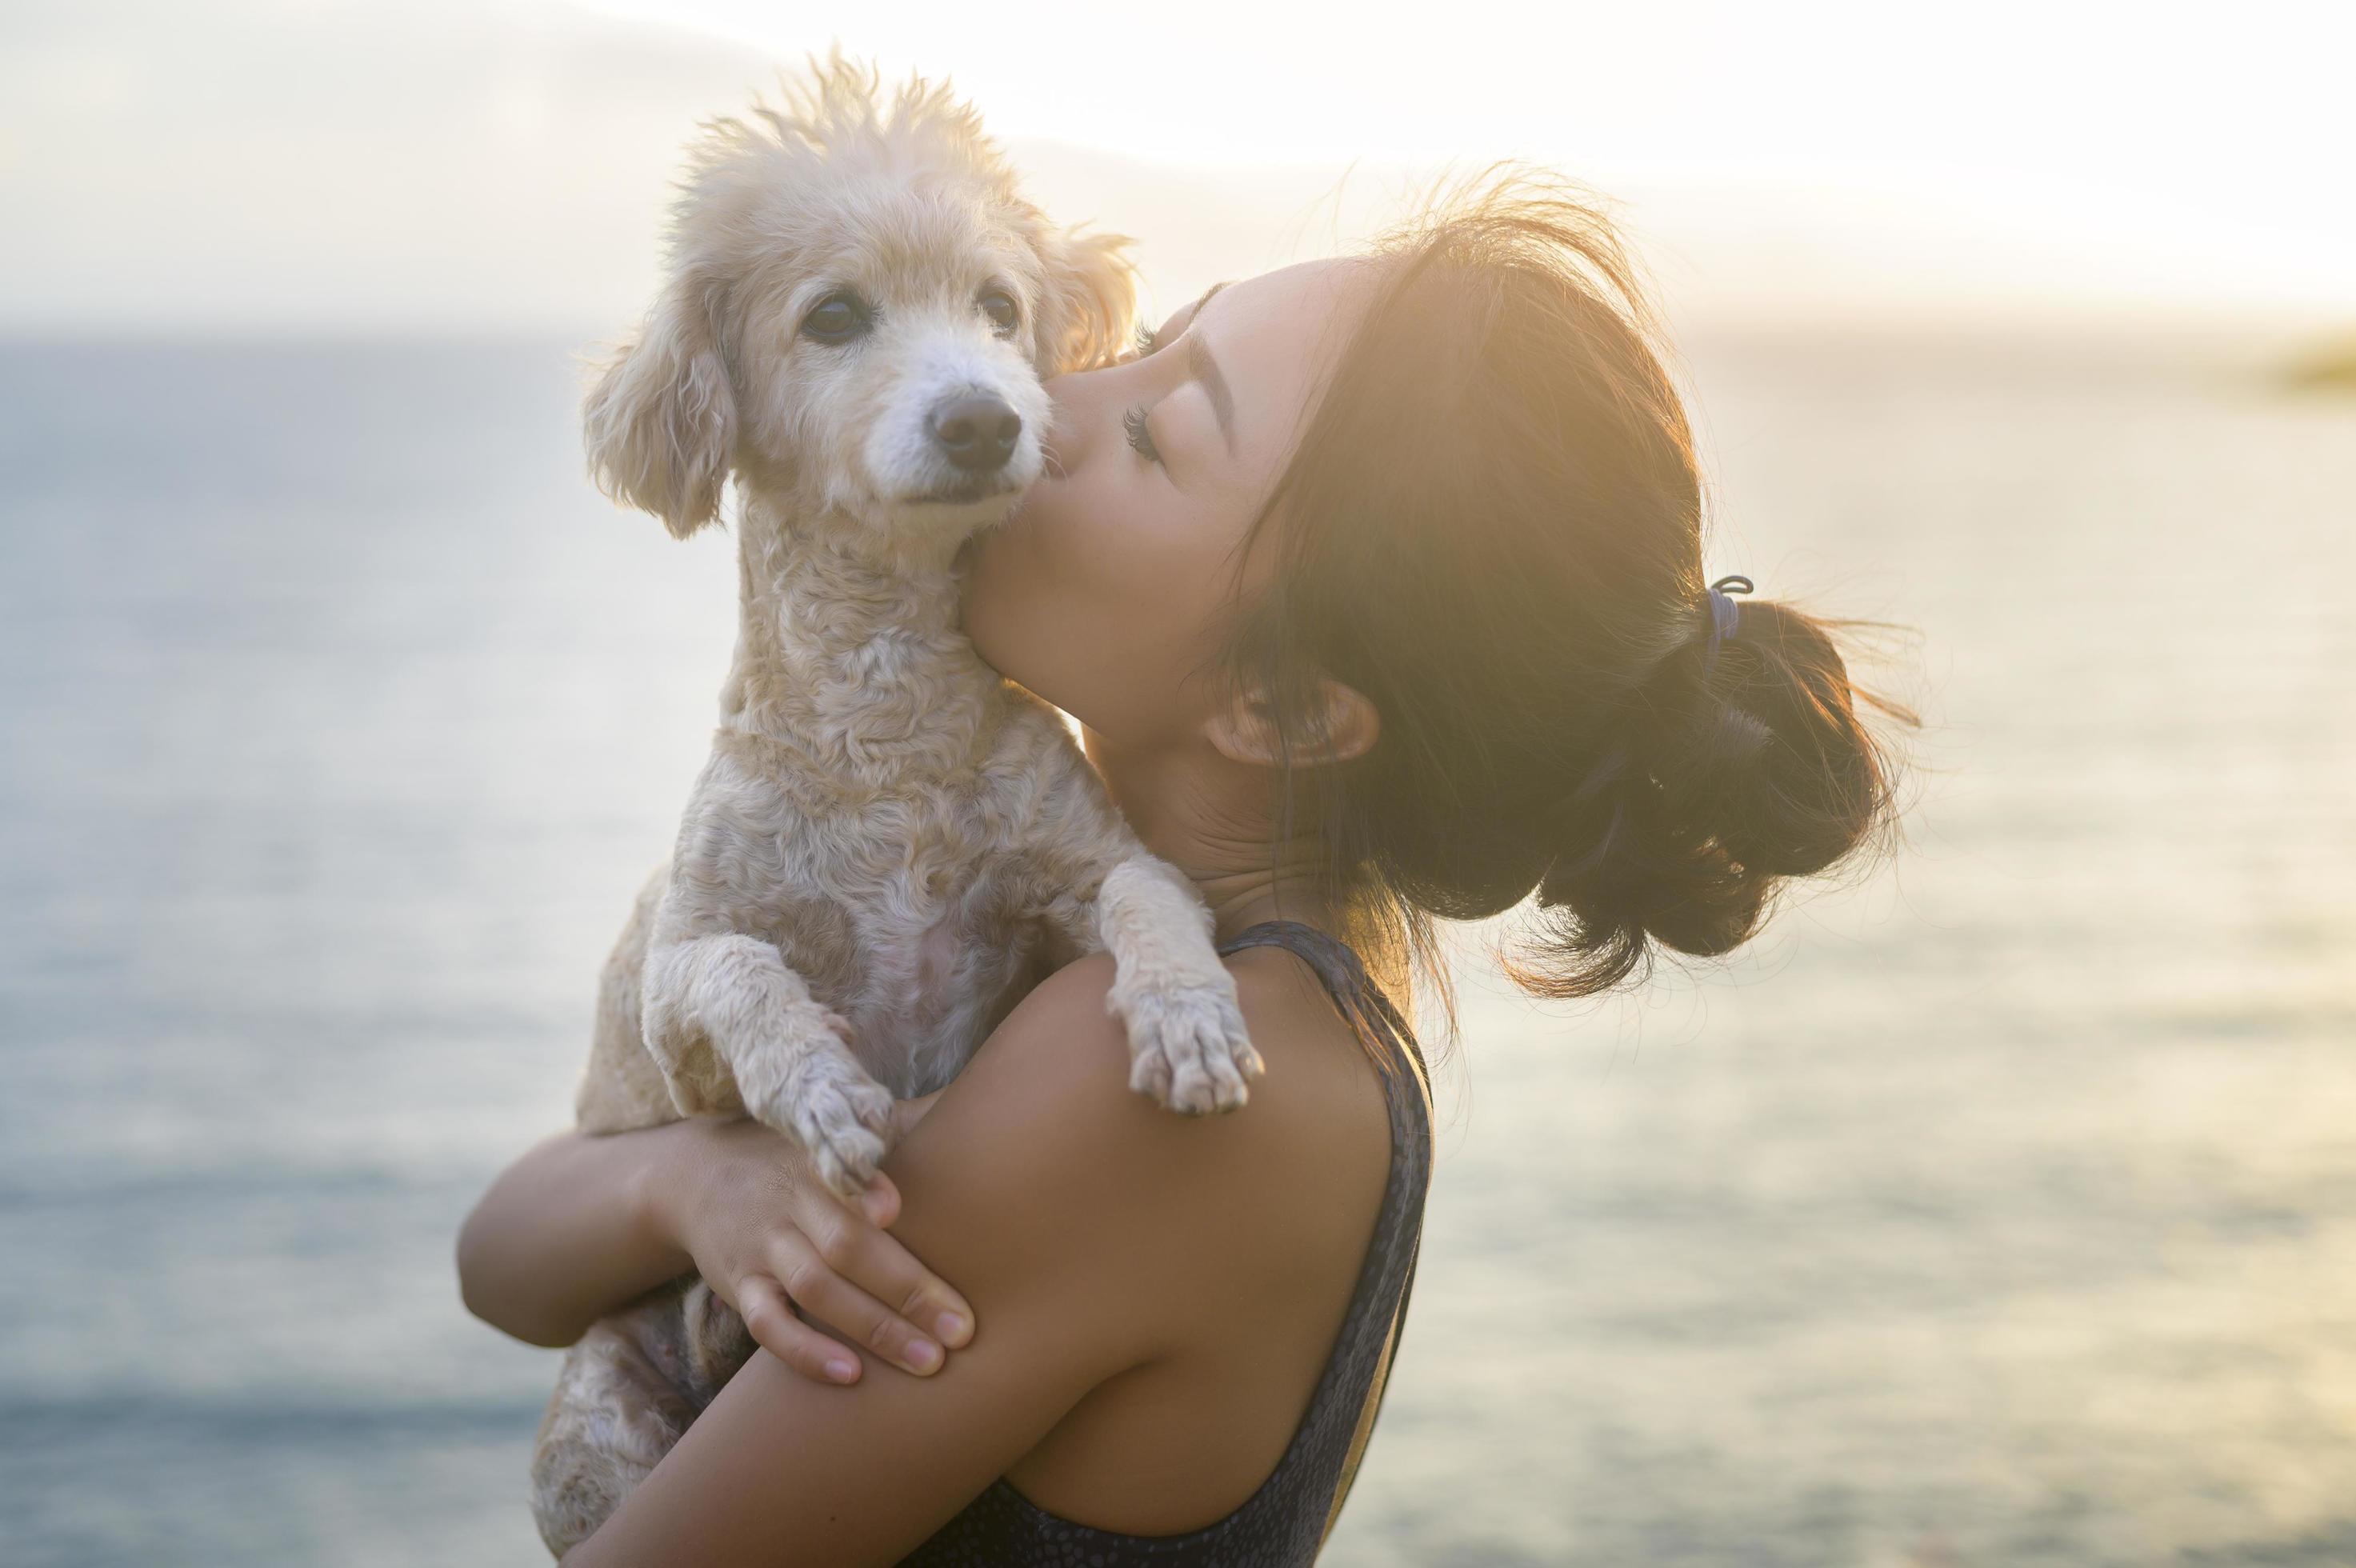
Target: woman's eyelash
(1142, 343)
(1140, 437)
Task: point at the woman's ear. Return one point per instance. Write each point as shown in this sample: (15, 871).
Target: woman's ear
(1341, 726)
(1091, 303)
(661, 424)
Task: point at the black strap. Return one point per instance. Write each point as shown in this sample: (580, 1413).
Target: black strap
(1407, 1093)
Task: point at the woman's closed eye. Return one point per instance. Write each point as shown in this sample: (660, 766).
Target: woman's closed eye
(1149, 342)
(1140, 437)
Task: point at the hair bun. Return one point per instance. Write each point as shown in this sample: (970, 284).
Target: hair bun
(1745, 763)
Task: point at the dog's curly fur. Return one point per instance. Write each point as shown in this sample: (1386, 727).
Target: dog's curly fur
(886, 828)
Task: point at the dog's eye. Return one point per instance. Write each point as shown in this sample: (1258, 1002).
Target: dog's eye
(1000, 306)
(837, 318)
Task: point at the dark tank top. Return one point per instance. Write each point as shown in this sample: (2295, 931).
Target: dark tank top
(1285, 1521)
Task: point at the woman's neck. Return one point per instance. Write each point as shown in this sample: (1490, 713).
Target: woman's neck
(1213, 818)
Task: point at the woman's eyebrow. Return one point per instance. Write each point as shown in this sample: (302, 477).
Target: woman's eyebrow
(1206, 371)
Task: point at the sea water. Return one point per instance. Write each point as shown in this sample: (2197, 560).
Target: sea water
(1997, 1209)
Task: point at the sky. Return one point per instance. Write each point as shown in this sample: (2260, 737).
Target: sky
(295, 166)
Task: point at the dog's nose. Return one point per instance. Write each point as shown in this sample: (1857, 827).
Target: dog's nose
(977, 434)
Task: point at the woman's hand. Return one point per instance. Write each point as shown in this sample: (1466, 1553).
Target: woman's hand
(748, 1207)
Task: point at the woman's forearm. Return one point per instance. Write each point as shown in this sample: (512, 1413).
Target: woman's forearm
(569, 1233)
(582, 1226)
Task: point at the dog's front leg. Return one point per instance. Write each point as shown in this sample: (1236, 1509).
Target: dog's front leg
(1187, 1047)
(736, 996)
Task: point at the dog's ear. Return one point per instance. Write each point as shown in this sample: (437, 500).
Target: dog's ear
(1091, 303)
(661, 424)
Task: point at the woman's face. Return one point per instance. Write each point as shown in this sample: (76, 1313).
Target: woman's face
(1108, 591)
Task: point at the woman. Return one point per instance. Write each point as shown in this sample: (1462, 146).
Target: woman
(1376, 584)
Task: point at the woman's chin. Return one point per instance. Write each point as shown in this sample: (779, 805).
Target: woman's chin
(982, 598)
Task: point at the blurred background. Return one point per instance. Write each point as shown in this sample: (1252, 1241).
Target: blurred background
(2000, 1210)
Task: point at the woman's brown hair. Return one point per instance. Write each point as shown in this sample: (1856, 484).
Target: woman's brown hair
(1492, 528)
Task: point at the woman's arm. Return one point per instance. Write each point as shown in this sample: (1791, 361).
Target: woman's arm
(567, 1234)
(582, 1226)
(1088, 1227)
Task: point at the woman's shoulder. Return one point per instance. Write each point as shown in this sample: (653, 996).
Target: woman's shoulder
(1045, 1116)
(1320, 1087)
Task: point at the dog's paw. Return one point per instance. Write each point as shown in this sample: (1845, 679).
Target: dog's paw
(842, 1117)
(1187, 1047)
(846, 1127)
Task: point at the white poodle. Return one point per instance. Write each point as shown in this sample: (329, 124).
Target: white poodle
(858, 312)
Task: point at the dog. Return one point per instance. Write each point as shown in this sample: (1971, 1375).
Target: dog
(859, 311)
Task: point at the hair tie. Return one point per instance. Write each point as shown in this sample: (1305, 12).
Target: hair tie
(1725, 615)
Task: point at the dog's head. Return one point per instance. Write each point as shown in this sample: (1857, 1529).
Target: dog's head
(859, 312)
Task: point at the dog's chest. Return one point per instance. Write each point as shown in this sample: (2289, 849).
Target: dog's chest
(916, 936)
(938, 971)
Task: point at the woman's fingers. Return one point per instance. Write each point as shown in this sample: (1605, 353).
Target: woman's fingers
(824, 1289)
(874, 1262)
(881, 1202)
(761, 1301)
(906, 1113)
